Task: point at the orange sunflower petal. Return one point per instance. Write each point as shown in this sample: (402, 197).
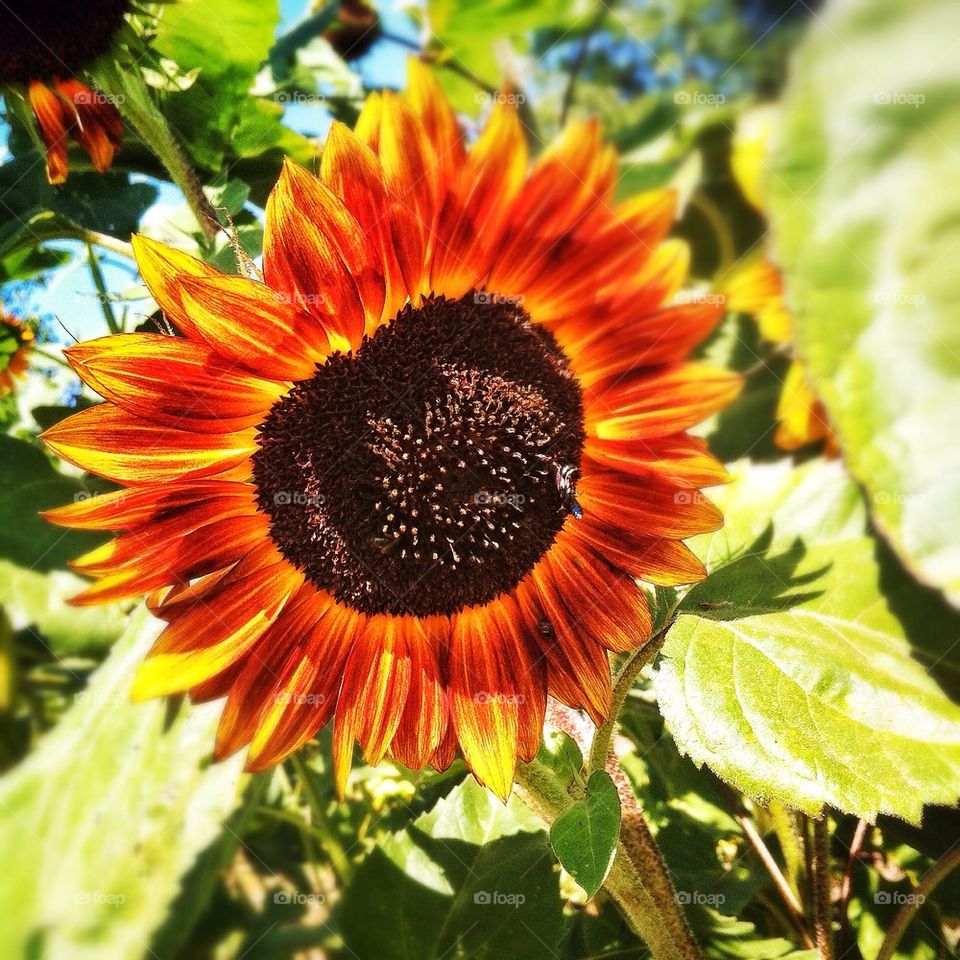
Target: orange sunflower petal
(173, 382)
(119, 446)
(54, 116)
(478, 205)
(214, 632)
(660, 403)
(163, 268)
(429, 102)
(492, 674)
(309, 683)
(255, 327)
(99, 129)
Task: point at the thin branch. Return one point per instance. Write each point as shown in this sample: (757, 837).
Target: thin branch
(822, 913)
(579, 61)
(846, 886)
(928, 883)
(103, 295)
(790, 900)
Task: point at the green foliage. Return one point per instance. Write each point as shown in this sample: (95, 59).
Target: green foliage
(469, 878)
(809, 670)
(865, 140)
(104, 818)
(29, 483)
(791, 678)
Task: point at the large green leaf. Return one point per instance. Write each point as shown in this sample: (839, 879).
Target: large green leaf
(98, 826)
(787, 673)
(217, 116)
(866, 222)
(28, 484)
(471, 878)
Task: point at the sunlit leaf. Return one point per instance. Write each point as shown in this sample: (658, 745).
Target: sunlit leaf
(819, 700)
(101, 822)
(866, 220)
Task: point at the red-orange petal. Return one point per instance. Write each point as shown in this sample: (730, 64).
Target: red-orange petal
(254, 326)
(127, 449)
(677, 459)
(309, 682)
(54, 117)
(670, 399)
(643, 504)
(429, 102)
(608, 605)
(478, 205)
(213, 633)
(491, 675)
(353, 172)
(163, 268)
(99, 129)
(173, 382)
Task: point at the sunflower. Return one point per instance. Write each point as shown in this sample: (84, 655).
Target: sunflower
(43, 45)
(16, 342)
(407, 483)
(756, 289)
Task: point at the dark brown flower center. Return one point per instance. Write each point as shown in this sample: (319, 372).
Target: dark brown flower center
(432, 468)
(44, 39)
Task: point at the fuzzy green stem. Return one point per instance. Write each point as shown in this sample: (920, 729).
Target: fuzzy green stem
(622, 685)
(928, 883)
(638, 881)
(136, 106)
(822, 906)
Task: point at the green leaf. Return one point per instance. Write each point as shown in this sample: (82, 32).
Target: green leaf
(39, 601)
(584, 837)
(98, 826)
(818, 701)
(28, 484)
(471, 878)
(867, 258)
(217, 116)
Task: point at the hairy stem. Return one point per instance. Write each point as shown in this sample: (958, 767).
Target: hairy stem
(638, 881)
(137, 108)
(928, 883)
(823, 919)
(846, 888)
(622, 684)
